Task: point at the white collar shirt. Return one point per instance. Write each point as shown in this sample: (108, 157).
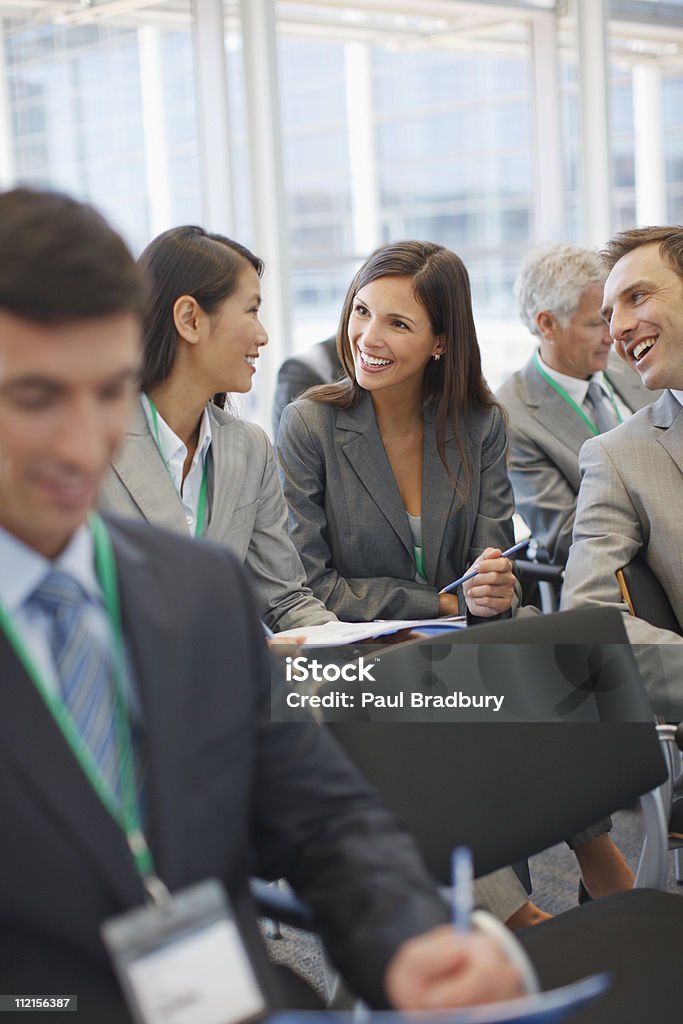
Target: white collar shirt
(577, 388)
(22, 570)
(174, 452)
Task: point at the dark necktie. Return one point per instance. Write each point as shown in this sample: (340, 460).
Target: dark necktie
(83, 661)
(600, 408)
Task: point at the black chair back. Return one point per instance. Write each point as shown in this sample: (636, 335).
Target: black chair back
(646, 597)
(511, 789)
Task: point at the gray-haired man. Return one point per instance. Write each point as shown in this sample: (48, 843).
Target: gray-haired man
(571, 389)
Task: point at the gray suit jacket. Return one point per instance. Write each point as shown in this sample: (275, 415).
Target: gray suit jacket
(348, 521)
(545, 440)
(630, 503)
(247, 512)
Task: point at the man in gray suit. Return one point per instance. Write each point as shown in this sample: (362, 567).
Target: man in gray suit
(550, 402)
(632, 478)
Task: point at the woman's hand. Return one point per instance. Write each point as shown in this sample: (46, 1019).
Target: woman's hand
(492, 589)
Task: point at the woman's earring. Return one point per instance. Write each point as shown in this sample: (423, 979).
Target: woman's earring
(436, 356)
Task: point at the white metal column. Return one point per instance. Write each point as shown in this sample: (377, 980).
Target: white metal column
(212, 114)
(595, 222)
(157, 164)
(6, 161)
(365, 204)
(267, 184)
(548, 166)
(649, 145)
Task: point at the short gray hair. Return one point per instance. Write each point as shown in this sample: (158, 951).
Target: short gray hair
(554, 279)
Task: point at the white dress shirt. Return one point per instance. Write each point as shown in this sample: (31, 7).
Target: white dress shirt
(174, 452)
(22, 570)
(577, 388)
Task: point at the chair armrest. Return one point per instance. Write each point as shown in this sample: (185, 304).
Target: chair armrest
(540, 571)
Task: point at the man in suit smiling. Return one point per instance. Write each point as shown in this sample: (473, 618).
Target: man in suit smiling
(632, 478)
(550, 402)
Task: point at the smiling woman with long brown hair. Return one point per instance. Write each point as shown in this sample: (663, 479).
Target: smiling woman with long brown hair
(395, 476)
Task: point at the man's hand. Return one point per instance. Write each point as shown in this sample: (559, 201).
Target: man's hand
(492, 589)
(444, 970)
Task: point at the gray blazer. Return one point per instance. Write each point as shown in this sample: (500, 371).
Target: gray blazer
(348, 521)
(630, 503)
(545, 440)
(247, 512)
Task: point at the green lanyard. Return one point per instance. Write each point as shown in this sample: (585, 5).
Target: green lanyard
(127, 812)
(200, 524)
(570, 401)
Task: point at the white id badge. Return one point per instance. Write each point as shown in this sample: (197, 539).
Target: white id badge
(184, 962)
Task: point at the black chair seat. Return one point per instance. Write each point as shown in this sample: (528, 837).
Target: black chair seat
(637, 936)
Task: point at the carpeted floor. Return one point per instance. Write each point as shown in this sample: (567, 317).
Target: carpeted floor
(554, 875)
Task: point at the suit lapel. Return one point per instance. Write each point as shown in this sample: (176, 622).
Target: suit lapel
(141, 470)
(667, 415)
(552, 412)
(152, 638)
(359, 439)
(438, 494)
(61, 789)
(228, 451)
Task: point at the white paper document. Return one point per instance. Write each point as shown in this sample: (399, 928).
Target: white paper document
(334, 634)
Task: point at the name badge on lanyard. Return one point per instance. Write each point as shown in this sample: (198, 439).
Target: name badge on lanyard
(181, 960)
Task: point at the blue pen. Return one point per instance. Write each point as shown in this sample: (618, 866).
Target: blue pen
(474, 572)
(462, 892)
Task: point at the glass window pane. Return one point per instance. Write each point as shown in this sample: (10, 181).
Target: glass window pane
(94, 106)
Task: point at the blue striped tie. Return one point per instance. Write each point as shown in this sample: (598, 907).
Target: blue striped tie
(83, 661)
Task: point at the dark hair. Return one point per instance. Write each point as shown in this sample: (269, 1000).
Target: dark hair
(61, 261)
(670, 241)
(185, 261)
(454, 385)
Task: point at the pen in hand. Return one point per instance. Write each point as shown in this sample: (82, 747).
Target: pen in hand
(462, 893)
(474, 572)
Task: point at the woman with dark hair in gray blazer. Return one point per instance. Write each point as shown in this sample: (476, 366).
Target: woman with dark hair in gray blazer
(187, 463)
(395, 476)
